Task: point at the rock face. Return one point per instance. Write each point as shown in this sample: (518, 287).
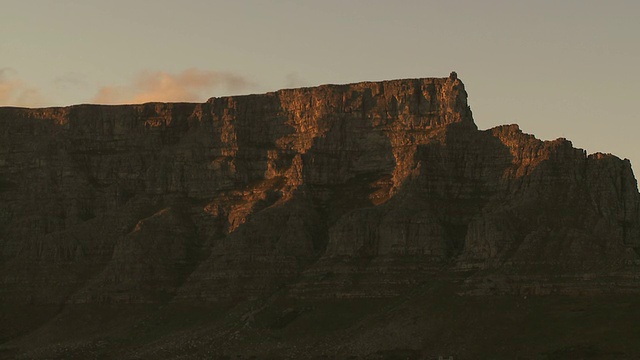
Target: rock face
(344, 191)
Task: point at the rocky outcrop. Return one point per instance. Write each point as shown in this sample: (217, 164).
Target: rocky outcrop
(358, 190)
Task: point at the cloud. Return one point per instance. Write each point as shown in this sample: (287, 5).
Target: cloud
(294, 80)
(15, 92)
(70, 79)
(111, 95)
(189, 85)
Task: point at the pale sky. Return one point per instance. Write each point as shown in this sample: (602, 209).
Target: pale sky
(557, 68)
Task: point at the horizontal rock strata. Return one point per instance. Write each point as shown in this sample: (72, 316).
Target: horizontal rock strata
(346, 191)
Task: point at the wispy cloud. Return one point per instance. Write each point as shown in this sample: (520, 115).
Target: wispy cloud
(70, 79)
(190, 85)
(15, 92)
(294, 80)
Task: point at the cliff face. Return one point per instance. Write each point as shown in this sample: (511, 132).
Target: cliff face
(355, 190)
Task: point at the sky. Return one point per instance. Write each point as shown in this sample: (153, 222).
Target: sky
(557, 68)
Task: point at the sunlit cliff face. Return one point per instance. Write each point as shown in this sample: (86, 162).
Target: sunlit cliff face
(143, 202)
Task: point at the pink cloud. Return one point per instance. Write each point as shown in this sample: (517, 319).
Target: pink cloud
(15, 92)
(189, 86)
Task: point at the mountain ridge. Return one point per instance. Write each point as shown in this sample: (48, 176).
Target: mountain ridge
(356, 192)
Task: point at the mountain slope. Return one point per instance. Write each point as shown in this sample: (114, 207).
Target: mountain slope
(362, 192)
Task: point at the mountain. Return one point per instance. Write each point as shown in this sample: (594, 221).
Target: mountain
(370, 219)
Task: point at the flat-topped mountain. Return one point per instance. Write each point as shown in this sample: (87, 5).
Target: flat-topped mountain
(277, 211)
